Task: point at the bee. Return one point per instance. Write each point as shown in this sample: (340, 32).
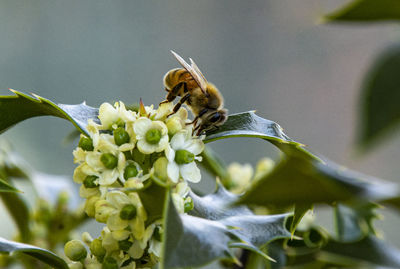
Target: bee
(201, 96)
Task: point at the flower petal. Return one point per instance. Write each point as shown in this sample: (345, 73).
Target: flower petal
(178, 140)
(196, 146)
(115, 223)
(118, 199)
(145, 147)
(190, 172)
(173, 171)
(141, 126)
(169, 153)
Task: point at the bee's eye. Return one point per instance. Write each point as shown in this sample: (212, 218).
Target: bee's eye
(215, 117)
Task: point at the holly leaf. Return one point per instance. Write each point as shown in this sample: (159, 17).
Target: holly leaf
(153, 199)
(14, 109)
(217, 205)
(380, 112)
(5, 187)
(366, 11)
(354, 223)
(248, 124)
(192, 241)
(304, 181)
(18, 209)
(370, 249)
(43, 255)
(213, 228)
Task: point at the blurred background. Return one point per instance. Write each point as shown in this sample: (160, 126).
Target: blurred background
(271, 56)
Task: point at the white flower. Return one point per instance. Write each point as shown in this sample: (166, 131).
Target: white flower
(181, 155)
(128, 211)
(112, 116)
(240, 176)
(177, 122)
(263, 167)
(107, 165)
(163, 111)
(152, 136)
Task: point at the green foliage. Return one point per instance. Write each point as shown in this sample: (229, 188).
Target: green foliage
(5, 187)
(222, 221)
(380, 96)
(14, 109)
(43, 255)
(214, 228)
(366, 11)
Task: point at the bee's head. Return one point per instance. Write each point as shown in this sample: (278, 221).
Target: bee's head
(213, 119)
(217, 118)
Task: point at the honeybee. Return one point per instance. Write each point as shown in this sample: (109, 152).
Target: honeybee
(201, 96)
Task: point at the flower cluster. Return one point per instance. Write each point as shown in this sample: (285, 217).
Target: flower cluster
(125, 153)
(242, 175)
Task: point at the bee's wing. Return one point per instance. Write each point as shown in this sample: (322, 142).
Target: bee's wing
(193, 70)
(196, 69)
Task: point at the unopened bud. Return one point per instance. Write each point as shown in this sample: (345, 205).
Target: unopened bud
(75, 250)
(109, 263)
(86, 143)
(97, 249)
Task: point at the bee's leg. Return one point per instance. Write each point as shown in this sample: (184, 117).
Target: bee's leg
(194, 121)
(179, 104)
(202, 112)
(199, 130)
(173, 93)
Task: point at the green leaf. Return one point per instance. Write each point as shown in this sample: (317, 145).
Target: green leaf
(43, 255)
(304, 181)
(370, 249)
(5, 187)
(14, 109)
(254, 230)
(217, 205)
(214, 220)
(18, 209)
(248, 124)
(153, 199)
(191, 241)
(380, 95)
(299, 211)
(354, 223)
(366, 11)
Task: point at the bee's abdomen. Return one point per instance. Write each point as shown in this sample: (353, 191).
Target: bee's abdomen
(175, 76)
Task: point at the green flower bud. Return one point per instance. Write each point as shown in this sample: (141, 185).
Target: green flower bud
(89, 182)
(75, 250)
(153, 136)
(86, 143)
(188, 204)
(160, 168)
(125, 245)
(174, 125)
(109, 263)
(97, 249)
(183, 156)
(121, 136)
(90, 206)
(130, 171)
(128, 212)
(157, 234)
(109, 160)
